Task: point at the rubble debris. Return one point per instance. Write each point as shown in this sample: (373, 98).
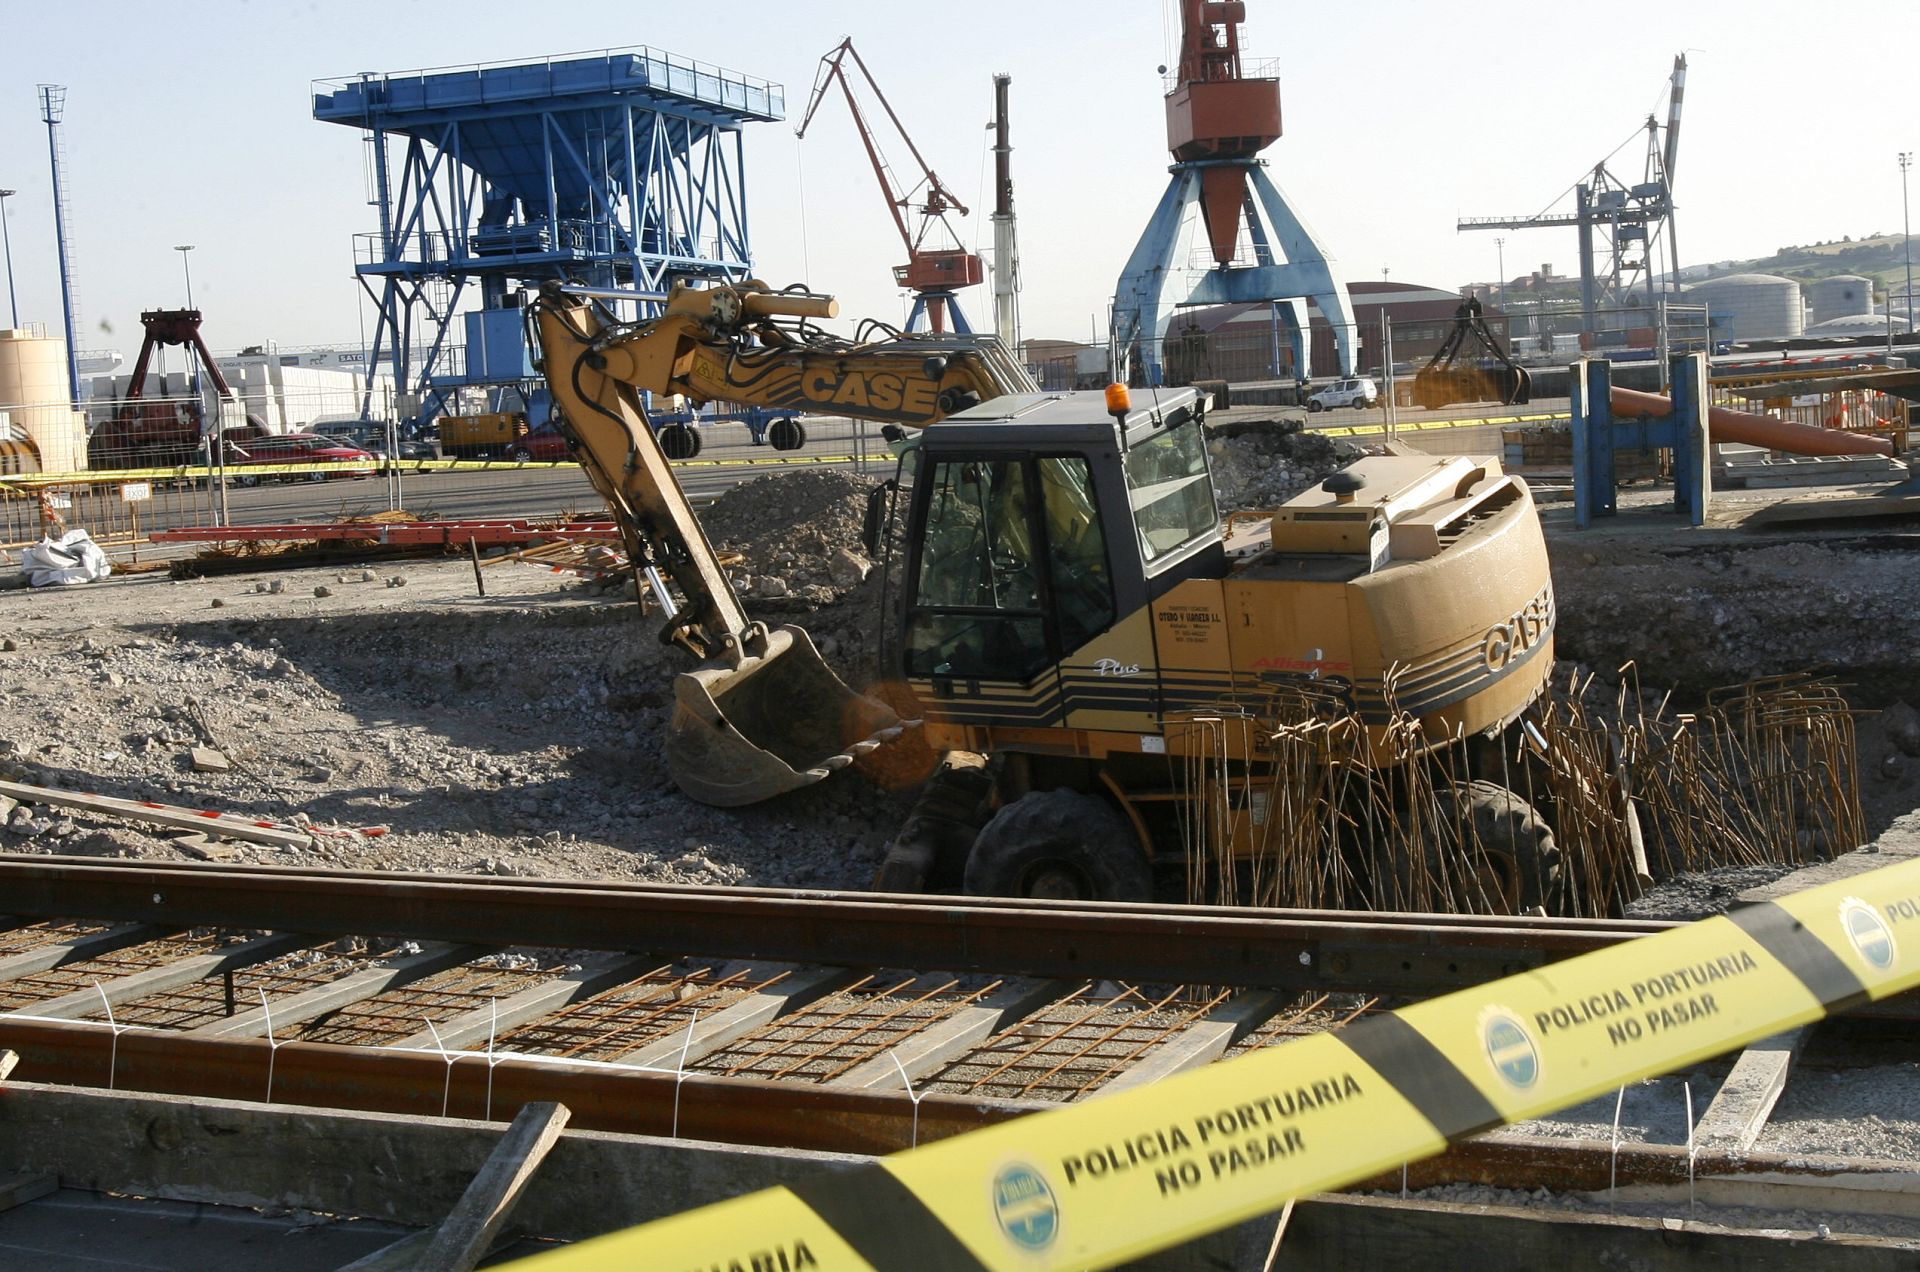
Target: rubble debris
(1262, 463)
(206, 759)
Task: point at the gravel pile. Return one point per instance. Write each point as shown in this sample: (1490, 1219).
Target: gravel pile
(518, 734)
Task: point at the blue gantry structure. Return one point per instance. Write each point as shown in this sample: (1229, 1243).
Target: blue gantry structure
(623, 168)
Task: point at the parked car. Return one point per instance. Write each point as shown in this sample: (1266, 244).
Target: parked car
(1360, 392)
(543, 443)
(298, 448)
(372, 438)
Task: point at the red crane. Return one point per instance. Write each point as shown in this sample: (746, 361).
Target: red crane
(148, 431)
(1215, 114)
(933, 274)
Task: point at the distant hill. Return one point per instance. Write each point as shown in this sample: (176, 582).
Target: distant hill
(1881, 258)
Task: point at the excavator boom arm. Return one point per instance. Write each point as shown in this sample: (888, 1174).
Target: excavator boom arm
(616, 446)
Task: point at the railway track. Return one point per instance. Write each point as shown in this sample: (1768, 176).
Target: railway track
(740, 1015)
(793, 1021)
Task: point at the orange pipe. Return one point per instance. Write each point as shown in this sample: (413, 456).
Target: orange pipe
(1754, 429)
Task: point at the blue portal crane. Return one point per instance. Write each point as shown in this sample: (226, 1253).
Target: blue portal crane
(1218, 121)
(622, 168)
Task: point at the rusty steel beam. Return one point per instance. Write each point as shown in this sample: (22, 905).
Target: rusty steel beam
(424, 1084)
(1251, 948)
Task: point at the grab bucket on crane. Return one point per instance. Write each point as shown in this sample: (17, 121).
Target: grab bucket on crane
(1493, 377)
(1435, 387)
(778, 721)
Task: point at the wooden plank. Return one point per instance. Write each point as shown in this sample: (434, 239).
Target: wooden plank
(260, 1021)
(158, 980)
(710, 1033)
(940, 1044)
(1739, 1112)
(474, 1027)
(226, 825)
(18, 1190)
(81, 948)
(497, 1189)
(1200, 1043)
(1875, 1194)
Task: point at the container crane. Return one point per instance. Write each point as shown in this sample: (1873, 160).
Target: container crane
(933, 274)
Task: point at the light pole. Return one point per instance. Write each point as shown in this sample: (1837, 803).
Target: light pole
(1906, 232)
(183, 249)
(13, 301)
(1500, 246)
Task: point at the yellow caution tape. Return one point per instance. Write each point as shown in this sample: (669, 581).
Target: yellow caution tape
(1417, 426)
(235, 471)
(1098, 1183)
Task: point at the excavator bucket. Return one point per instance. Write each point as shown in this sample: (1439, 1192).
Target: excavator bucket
(779, 721)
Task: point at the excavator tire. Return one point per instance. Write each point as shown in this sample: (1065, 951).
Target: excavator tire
(1059, 845)
(787, 434)
(677, 441)
(1515, 868)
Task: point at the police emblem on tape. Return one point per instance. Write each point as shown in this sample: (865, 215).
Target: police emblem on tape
(1869, 933)
(1510, 1048)
(1025, 1208)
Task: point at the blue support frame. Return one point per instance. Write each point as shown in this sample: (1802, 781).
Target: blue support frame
(1598, 435)
(917, 316)
(1290, 264)
(621, 169)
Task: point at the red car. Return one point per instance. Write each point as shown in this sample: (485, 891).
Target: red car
(543, 443)
(298, 448)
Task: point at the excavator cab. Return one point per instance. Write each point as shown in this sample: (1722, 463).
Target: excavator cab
(1038, 523)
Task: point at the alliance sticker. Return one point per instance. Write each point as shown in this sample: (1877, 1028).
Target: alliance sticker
(1510, 1048)
(1869, 933)
(1025, 1207)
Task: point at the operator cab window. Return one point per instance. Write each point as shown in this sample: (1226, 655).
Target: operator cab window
(1170, 491)
(1006, 543)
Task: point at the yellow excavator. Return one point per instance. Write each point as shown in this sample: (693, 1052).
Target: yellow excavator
(1081, 638)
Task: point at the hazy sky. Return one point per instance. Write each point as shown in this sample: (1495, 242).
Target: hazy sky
(193, 124)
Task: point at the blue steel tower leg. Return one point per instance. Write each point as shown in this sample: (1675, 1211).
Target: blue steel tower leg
(1293, 264)
(1318, 277)
(1140, 311)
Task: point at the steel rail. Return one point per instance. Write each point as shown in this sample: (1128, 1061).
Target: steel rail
(1266, 949)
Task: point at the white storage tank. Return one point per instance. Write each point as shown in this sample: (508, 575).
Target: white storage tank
(33, 393)
(1752, 306)
(1842, 296)
(1854, 325)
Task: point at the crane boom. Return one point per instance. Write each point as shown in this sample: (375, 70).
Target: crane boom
(933, 274)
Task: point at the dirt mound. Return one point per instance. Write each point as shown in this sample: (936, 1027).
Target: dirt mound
(805, 564)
